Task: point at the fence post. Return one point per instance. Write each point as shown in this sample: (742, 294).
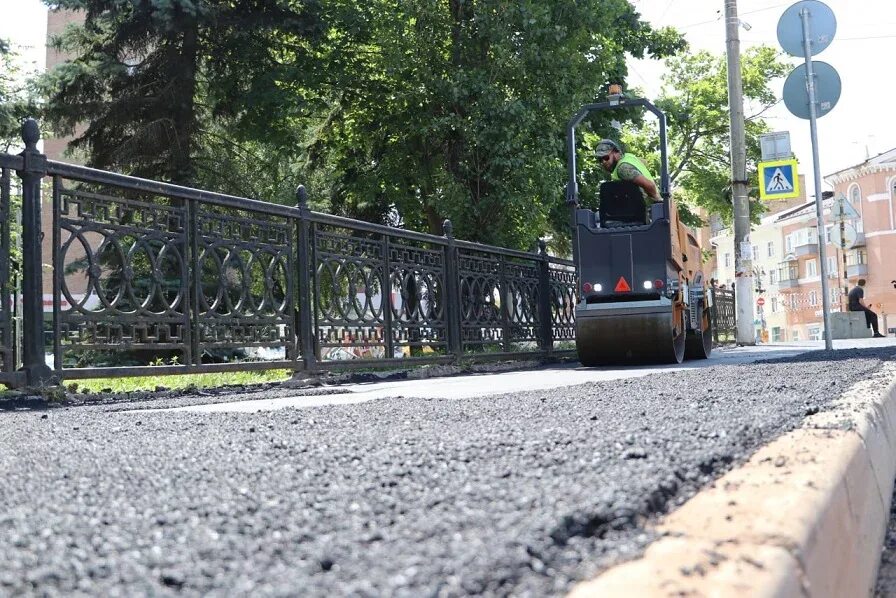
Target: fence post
(545, 328)
(452, 292)
(714, 315)
(37, 372)
(304, 296)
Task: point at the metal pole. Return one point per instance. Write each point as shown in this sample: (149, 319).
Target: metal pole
(743, 260)
(305, 296)
(545, 319)
(819, 213)
(452, 301)
(35, 165)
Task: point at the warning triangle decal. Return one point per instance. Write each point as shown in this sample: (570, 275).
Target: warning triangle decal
(778, 182)
(622, 286)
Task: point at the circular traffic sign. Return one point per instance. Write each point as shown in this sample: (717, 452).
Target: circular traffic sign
(760, 302)
(846, 239)
(827, 90)
(822, 27)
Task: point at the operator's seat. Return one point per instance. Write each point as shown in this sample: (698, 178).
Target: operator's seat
(621, 205)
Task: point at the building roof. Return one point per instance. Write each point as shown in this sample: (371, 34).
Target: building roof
(883, 161)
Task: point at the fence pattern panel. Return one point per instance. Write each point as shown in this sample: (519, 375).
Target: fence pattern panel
(724, 325)
(148, 278)
(245, 273)
(377, 295)
(563, 296)
(498, 300)
(121, 275)
(7, 336)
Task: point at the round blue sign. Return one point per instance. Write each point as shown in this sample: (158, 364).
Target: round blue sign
(827, 90)
(822, 27)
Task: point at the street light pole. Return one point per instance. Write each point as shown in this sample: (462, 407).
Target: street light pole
(743, 259)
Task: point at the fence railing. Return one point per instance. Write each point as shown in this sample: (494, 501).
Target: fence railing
(723, 314)
(154, 278)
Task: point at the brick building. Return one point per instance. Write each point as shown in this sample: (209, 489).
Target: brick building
(786, 260)
(871, 189)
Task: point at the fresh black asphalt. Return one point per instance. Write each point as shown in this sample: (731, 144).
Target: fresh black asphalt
(520, 494)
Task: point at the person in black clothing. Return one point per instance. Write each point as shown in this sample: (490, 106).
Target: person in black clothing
(856, 304)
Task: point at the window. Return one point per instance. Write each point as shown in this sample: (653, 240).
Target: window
(788, 243)
(834, 295)
(770, 250)
(795, 335)
(777, 334)
(755, 252)
(855, 198)
(813, 298)
(827, 234)
(815, 333)
(832, 266)
(793, 301)
(727, 260)
(811, 268)
(774, 305)
(773, 277)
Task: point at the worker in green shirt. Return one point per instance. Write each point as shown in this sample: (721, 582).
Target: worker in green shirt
(626, 167)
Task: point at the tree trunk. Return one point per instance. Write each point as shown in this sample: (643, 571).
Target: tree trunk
(184, 110)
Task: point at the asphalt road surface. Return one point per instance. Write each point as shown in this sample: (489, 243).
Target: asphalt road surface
(886, 579)
(518, 494)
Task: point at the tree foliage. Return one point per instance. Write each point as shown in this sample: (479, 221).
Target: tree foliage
(695, 101)
(154, 81)
(17, 97)
(456, 109)
(412, 111)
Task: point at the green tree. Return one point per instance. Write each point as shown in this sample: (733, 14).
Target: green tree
(457, 109)
(17, 97)
(695, 100)
(152, 81)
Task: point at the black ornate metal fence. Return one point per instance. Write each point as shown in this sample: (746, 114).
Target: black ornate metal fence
(153, 278)
(7, 341)
(723, 315)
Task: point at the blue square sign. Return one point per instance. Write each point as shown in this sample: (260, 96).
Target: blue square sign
(778, 179)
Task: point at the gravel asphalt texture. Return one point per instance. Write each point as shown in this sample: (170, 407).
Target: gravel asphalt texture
(886, 578)
(522, 494)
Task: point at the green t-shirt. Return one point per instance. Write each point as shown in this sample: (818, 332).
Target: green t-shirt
(629, 168)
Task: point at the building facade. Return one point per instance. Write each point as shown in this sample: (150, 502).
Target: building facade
(871, 188)
(787, 265)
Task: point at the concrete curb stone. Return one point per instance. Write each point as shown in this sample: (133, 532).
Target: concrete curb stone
(805, 516)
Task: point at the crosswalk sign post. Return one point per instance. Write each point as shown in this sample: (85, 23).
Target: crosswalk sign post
(778, 179)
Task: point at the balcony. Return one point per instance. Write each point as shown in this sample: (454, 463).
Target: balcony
(856, 263)
(857, 270)
(788, 277)
(810, 248)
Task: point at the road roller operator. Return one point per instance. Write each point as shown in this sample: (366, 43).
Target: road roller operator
(626, 167)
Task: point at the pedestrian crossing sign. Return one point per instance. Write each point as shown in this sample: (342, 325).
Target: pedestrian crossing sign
(778, 179)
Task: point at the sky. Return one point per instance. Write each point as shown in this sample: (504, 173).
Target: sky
(862, 124)
(863, 51)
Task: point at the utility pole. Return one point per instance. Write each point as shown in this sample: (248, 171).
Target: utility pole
(743, 259)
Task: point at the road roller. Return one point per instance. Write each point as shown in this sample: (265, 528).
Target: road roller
(642, 295)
